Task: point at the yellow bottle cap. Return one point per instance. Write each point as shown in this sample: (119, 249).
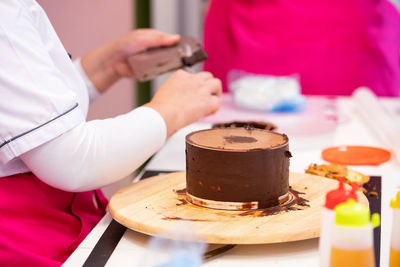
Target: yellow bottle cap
(395, 202)
(353, 214)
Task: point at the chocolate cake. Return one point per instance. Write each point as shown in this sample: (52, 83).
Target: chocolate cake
(237, 168)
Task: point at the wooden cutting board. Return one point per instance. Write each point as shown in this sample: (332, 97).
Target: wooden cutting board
(156, 205)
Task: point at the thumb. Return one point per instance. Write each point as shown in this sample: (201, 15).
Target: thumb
(171, 39)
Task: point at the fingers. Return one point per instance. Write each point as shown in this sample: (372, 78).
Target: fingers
(202, 80)
(212, 85)
(186, 97)
(163, 39)
(203, 75)
(169, 39)
(215, 104)
(215, 87)
(123, 69)
(153, 38)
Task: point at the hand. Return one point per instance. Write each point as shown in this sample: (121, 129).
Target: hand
(106, 64)
(136, 41)
(184, 98)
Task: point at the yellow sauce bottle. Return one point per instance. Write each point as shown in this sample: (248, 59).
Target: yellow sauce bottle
(352, 237)
(395, 240)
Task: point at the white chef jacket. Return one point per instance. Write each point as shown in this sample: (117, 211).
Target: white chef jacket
(42, 93)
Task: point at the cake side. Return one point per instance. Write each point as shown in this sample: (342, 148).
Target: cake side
(255, 177)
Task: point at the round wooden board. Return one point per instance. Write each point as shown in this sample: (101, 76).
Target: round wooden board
(152, 206)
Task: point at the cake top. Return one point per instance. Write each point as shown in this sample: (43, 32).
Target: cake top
(238, 139)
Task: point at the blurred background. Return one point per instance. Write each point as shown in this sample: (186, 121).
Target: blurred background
(82, 28)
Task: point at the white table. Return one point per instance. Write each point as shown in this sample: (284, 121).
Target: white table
(351, 130)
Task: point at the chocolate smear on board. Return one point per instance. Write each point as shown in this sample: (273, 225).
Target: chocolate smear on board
(182, 201)
(180, 191)
(295, 203)
(183, 219)
(181, 197)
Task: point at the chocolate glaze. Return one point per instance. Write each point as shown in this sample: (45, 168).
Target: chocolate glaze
(292, 204)
(241, 176)
(181, 197)
(181, 191)
(182, 201)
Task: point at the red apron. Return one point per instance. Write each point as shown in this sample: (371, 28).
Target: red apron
(41, 225)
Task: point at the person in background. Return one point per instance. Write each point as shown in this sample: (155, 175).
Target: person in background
(51, 158)
(334, 46)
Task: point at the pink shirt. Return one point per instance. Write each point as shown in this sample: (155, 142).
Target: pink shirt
(334, 46)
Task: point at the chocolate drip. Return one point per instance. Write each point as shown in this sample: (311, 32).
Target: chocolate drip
(181, 191)
(290, 205)
(288, 154)
(295, 202)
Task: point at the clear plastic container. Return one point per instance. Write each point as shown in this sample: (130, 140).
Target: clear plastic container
(352, 247)
(352, 236)
(395, 240)
(333, 198)
(325, 239)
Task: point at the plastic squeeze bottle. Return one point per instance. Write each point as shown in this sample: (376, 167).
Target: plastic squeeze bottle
(333, 198)
(395, 240)
(352, 237)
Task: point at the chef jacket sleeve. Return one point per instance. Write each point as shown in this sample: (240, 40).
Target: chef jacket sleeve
(98, 152)
(92, 91)
(36, 103)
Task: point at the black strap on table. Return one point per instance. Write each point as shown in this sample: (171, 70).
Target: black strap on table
(114, 232)
(106, 245)
(374, 193)
(111, 236)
